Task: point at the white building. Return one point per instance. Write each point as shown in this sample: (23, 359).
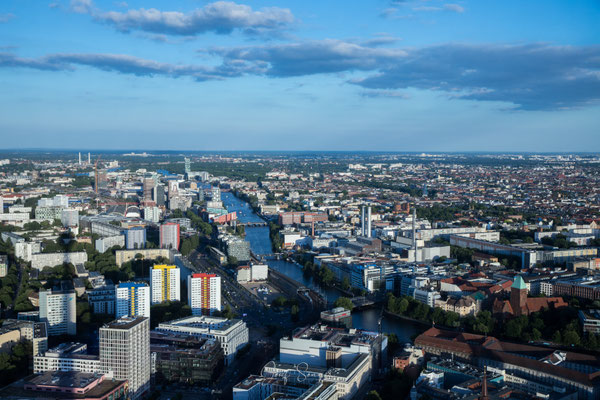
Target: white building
(132, 299)
(165, 283)
(260, 272)
(152, 214)
(58, 310)
(204, 293)
(105, 243)
(41, 260)
(232, 334)
(69, 217)
(135, 238)
(125, 353)
(169, 236)
(68, 356)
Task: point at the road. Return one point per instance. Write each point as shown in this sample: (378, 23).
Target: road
(261, 320)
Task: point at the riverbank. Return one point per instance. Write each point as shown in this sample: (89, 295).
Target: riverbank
(370, 319)
(403, 317)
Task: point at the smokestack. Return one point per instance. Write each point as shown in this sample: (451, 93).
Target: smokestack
(369, 222)
(89, 158)
(79, 158)
(362, 222)
(312, 228)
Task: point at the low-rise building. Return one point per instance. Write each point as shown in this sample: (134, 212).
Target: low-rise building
(68, 356)
(590, 321)
(231, 334)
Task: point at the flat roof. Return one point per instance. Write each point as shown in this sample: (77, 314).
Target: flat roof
(124, 323)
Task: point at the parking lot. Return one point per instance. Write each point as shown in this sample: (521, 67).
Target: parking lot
(263, 290)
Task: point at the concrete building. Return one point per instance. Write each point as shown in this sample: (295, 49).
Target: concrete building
(68, 356)
(132, 299)
(125, 353)
(322, 346)
(48, 213)
(69, 217)
(164, 283)
(41, 260)
(169, 236)
(236, 247)
(243, 274)
(34, 331)
(259, 272)
(528, 257)
(135, 238)
(105, 243)
(102, 299)
(65, 385)
(590, 321)
(204, 293)
(26, 250)
(152, 214)
(122, 256)
(232, 334)
(58, 310)
(179, 358)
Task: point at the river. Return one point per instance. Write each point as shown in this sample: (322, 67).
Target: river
(260, 243)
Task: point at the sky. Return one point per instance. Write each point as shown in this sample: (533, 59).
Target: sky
(412, 75)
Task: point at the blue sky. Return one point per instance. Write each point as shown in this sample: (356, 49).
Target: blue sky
(409, 75)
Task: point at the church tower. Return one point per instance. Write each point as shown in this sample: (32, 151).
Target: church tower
(518, 295)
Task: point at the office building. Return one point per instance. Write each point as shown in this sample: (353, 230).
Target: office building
(232, 334)
(135, 238)
(69, 356)
(132, 299)
(125, 352)
(48, 213)
(58, 310)
(313, 345)
(180, 358)
(164, 283)
(169, 236)
(204, 293)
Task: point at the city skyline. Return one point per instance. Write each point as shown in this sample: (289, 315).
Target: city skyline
(430, 76)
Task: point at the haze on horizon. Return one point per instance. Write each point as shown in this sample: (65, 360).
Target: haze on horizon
(385, 75)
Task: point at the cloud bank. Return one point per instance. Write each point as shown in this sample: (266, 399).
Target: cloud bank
(532, 77)
(221, 17)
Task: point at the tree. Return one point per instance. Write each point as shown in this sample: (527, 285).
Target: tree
(344, 302)
(186, 247)
(571, 338)
(345, 283)
(557, 338)
(279, 301)
(514, 328)
(373, 395)
(295, 312)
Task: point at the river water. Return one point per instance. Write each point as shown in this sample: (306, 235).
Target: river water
(260, 243)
